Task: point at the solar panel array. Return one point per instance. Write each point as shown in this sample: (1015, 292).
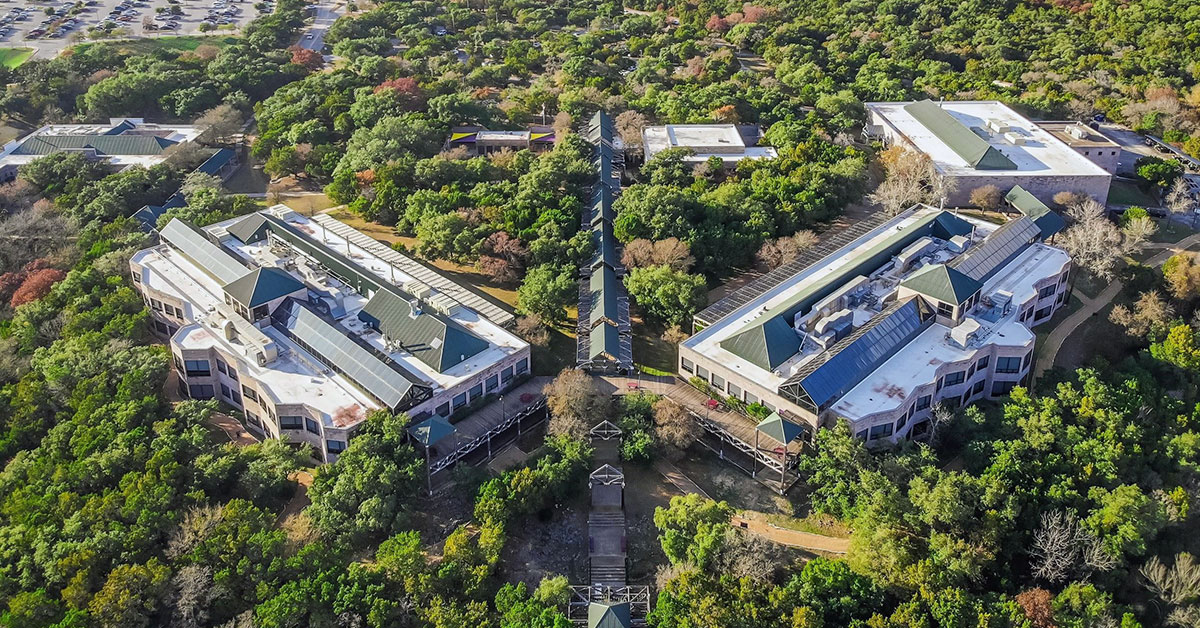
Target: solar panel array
(827, 246)
(375, 374)
(999, 247)
(603, 344)
(840, 368)
(212, 258)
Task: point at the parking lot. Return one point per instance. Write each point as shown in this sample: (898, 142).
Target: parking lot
(50, 26)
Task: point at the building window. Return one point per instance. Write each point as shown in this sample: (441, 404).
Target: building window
(919, 428)
(945, 309)
(137, 277)
(444, 409)
(862, 435)
(291, 422)
(522, 366)
(197, 368)
(232, 374)
(160, 327)
(312, 426)
(977, 388)
(1002, 388)
(1027, 360)
(476, 391)
(971, 372)
(956, 377)
(923, 402)
(751, 398)
(702, 373)
(460, 400)
(983, 363)
(718, 382)
(1043, 313)
(222, 368)
(237, 398)
(735, 391)
(689, 366)
(335, 446)
(900, 422)
(225, 392)
(200, 391)
(1008, 365)
(253, 419)
(941, 382)
(493, 382)
(249, 393)
(156, 304)
(261, 312)
(966, 397)
(881, 431)
(506, 375)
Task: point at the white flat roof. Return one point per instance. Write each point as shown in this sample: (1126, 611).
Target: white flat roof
(1041, 154)
(705, 140)
(173, 132)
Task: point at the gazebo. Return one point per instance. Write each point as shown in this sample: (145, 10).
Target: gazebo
(781, 431)
(428, 433)
(609, 615)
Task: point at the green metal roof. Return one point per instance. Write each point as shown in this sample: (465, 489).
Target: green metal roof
(604, 341)
(102, 144)
(194, 244)
(780, 429)
(943, 283)
(1046, 219)
(262, 285)
(963, 141)
(609, 615)
(604, 245)
(252, 228)
(604, 287)
(767, 345)
(439, 342)
(431, 430)
(601, 207)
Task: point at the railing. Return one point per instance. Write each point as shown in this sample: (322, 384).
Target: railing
(582, 596)
(463, 450)
(716, 429)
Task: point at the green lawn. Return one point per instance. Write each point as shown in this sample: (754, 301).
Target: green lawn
(1126, 193)
(182, 43)
(12, 57)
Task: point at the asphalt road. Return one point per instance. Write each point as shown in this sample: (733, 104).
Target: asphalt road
(328, 11)
(1133, 146)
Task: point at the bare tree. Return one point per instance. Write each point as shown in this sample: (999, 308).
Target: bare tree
(674, 335)
(1066, 199)
(1062, 549)
(743, 555)
(674, 427)
(1150, 311)
(1179, 199)
(1096, 243)
(941, 417)
(1176, 584)
(197, 523)
(224, 122)
(629, 126)
(562, 124)
(533, 330)
(194, 592)
(638, 253)
(775, 253)
(911, 178)
(575, 403)
(987, 197)
(674, 253)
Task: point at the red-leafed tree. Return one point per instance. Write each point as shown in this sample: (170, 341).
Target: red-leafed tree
(407, 91)
(36, 285)
(310, 59)
(502, 257)
(716, 24)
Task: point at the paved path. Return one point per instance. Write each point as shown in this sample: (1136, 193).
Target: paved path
(792, 538)
(678, 478)
(1093, 305)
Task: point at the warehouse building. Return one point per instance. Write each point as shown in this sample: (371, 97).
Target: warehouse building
(978, 143)
(306, 328)
(884, 320)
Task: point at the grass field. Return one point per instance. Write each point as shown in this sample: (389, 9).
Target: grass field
(182, 43)
(1126, 193)
(12, 57)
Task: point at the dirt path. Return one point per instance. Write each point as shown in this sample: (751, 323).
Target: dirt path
(1092, 306)
(299, 501)
(678, 478)
(793, 538)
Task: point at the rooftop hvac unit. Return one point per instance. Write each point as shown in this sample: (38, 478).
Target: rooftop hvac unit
(1078, 131)
(958, 244)
(997, 126)
(418, 289)
(443, 304)
(1014, 138)
(964, 333)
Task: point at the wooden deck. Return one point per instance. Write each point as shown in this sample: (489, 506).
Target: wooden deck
(472, 432)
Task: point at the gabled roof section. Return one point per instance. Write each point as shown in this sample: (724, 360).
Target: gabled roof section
(765, 346)
(605, 288)
(604, 246)
(824, 379)
(963, 141)
(604, 342)
(997, 249)
(250, 229)
(377, 375)
(439, 342)
(780, 429)
(600, 128)
(102, 144)
(601, 207)
(609, 615)
(1045, 218)
(262, 285)
(942, 283)
(431, 431)
(194, 244)
(219, 160)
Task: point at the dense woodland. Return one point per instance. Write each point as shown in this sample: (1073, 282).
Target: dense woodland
(1071, 505)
